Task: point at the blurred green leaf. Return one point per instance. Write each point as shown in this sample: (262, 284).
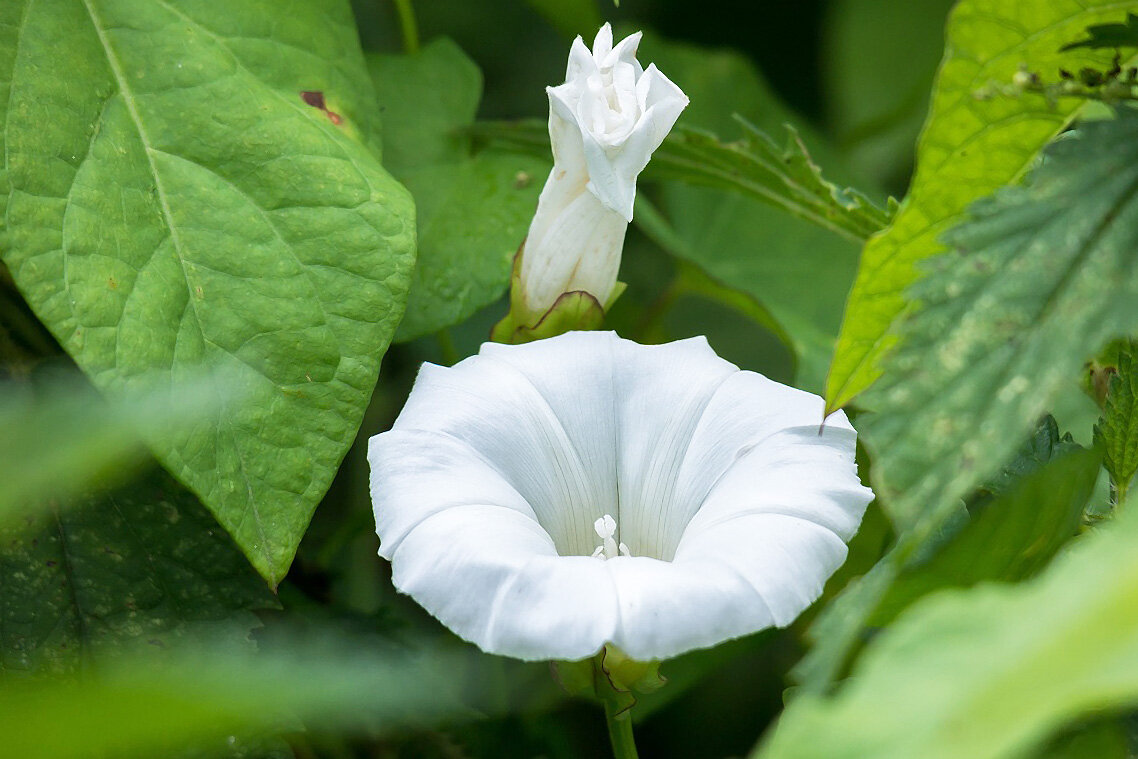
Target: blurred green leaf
(473, 211)
(1111, 36)
(62, 440)
(989, 672)
(1117, 433)
(571, 17)
(878, 63)
(1037, 281)
(145, 565)
(203, 694)
(1102, 739)
(190, 185)
(969, 147)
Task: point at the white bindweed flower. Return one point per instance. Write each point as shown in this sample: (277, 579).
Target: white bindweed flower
(543, 500)
(604, 123)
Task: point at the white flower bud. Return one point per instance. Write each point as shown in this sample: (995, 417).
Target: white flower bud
(604, 123)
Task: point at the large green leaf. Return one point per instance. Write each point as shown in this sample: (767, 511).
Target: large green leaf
(143, 565)
(990, 672)
(969, 147)
(175, 200)
(473, 211)
(1038, 280)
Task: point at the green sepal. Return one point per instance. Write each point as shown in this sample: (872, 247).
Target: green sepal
(610, 677)
(574, 310)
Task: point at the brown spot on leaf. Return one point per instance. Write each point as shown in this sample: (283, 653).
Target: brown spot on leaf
(315, 98)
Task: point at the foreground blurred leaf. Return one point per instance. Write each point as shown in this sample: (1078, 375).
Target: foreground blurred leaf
(144, 565)
(1117, 433)
(473, 211)
(203, 694)
(189, 185)
(1040, 501)
(1039, 279)
(990, 672)
(1013, 537)
(969, 147)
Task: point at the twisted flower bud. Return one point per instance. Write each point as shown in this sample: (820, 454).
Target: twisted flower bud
(604, 123)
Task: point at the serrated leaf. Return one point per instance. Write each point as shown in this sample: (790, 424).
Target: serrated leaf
(143, 566)
(968, 148)
(987, 673)
(1117, 433)
(189, 184)
(785, 177)
(473, 210)
(1038, 280)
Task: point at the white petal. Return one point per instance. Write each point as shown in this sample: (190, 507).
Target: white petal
(498, 412)
(581, 61)
(746, 409)
(795, 472)
(416, 473)
(602, 43)
(784, 559)
(624, 51)
(668, 608)
(579, 249)
(662, 391)
(500, 584)
(574, 374)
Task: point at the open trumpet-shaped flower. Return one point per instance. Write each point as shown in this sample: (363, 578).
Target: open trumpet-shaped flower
(604, 123)
(544, 500)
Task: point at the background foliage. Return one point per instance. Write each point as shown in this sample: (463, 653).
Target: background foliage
(220, 219)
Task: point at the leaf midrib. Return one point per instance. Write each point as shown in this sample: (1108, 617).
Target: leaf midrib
(167, 215)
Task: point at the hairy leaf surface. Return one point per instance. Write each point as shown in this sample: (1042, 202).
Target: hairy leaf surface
(969, 147)
(1037, 281)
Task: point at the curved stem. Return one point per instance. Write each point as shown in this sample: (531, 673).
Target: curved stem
(408, 26)
(620, 732)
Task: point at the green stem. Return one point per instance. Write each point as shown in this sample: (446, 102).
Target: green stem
(408, 26)
(447, 347)
(620, 732)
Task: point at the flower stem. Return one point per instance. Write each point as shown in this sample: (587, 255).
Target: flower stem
(408, 26)
(620, 732)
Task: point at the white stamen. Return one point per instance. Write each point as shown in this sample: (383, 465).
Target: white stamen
(606, 531)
